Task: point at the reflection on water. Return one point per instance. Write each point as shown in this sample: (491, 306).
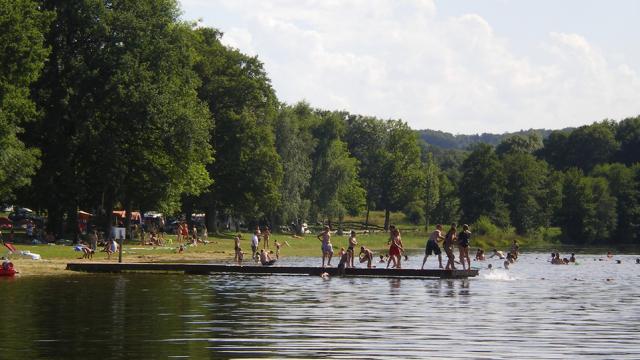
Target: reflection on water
(534, 310)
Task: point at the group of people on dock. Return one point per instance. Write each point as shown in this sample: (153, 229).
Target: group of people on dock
(265, 256)
(452, 238)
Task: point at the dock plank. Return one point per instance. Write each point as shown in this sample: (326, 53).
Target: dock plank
(204, 268)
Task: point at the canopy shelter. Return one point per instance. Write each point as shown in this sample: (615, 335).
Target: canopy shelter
(84, 216)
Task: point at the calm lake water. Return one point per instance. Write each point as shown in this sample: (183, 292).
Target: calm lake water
(534, 310)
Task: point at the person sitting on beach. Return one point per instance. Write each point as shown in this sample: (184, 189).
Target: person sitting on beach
(265, 259)
(497, 253)
(432, 245)
(366, 255)
(327, 248)
(6, 264)
(350, 250)
(572, 258)
(480, 255)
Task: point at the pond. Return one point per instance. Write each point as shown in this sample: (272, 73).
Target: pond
(533, 310)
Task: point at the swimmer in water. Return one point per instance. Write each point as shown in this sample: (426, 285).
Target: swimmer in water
(497, 253)
(506, 264)
(572, 258)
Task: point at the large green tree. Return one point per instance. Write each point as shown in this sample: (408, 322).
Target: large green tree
(483, 187)
(628, 134)
(247, 172)
(22, 56)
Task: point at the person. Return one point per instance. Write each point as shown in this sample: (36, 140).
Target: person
(350, 250)
(382, 259)
(366, 255)
(480, 255)
(609, 253)
(112, 247)
(266, 234)
(255, 240)
(344, 260)
(432, 245)
(29, 229)
(463, 246)
(449, 240)
(327, 248)
(490, 267)
(237, 249)
(395, 248)
(93, 240)
(497, 253)
(572, 258)
(185, 232)
(7, 265)
(515, 249)
(638, 261)
(278, 246)
(265, 259)
(506, 264)
(194, 235)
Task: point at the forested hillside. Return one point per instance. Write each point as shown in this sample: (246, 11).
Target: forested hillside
(120, 104)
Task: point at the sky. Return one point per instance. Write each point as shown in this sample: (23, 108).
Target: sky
(461, 66)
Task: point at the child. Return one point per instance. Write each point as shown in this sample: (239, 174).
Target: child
(237, 249)
(277, 244)
(366, 255)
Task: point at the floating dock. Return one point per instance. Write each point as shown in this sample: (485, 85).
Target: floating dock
(205, 269)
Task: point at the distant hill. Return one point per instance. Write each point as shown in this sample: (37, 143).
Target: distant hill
(447, 140)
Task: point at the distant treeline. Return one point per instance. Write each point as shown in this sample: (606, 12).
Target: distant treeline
(120, 104)
(447, 140)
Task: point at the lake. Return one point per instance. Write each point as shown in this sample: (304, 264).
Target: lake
(533, 310)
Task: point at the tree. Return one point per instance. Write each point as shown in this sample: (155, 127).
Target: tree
(22, 56)
(122, 119)
(295, 145)
(626, 189)
(483, 187)
(526, 189)
(448, 207)
(431, 189)
(365, 138)
(400, 175)
(334, 185)
(519, 144)
(628, 134)
(588, 211)
(247, 172)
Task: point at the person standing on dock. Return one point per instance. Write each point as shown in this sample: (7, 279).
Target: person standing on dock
(395, 248)
(350, 250)
(265, 237)
(432, 245)
(463, 246)
(237, 249)
(327, 248)
(255, 240)
(449, 240)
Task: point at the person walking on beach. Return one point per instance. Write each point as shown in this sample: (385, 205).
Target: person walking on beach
(449, 240)
(327, 248)
(432, 245)
(463, 246)
(352, 244)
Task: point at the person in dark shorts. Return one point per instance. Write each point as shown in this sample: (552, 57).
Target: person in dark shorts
(432, 245)
(463, 246)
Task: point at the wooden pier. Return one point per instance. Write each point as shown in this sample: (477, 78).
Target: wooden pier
(203, 268)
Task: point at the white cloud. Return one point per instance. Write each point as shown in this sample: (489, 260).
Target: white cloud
(400, 59)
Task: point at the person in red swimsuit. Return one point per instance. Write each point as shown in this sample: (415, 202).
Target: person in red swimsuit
(395, 248)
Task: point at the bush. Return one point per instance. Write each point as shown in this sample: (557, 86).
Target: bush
(414, 212)
(484, 226)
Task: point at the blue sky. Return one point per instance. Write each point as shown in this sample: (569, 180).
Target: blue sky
(463, 66)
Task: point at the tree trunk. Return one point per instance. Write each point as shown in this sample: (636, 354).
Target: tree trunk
(386, 219)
